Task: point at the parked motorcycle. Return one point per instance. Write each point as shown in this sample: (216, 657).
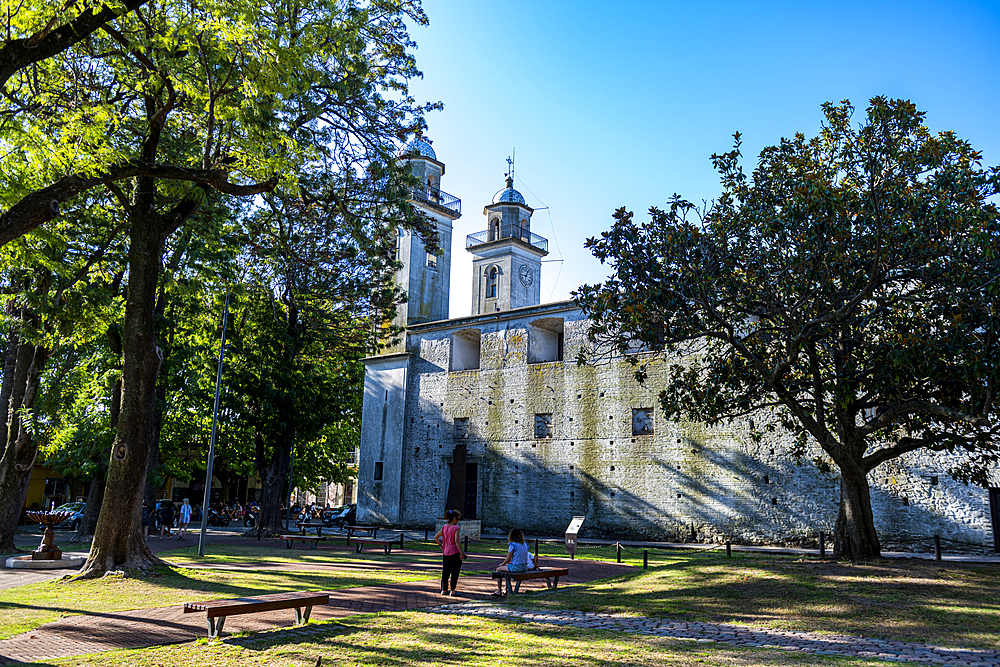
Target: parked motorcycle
(217, 519)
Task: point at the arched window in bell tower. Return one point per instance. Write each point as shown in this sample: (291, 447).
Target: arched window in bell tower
(492, 278)
(495, 229)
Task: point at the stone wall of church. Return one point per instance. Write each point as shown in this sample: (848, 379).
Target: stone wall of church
(554, 439)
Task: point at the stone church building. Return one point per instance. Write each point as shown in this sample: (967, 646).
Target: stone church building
(543, 439)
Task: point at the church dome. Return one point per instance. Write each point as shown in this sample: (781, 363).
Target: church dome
(509, 194)
(419, 146)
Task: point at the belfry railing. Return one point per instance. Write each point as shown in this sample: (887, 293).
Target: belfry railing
(507, 232)
(437, 197)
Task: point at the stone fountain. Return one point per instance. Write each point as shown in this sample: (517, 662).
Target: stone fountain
(47, 555)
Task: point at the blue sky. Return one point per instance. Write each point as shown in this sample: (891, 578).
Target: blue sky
(621, 104)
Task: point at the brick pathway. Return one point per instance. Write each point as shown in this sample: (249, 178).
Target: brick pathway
(739, 635)
(96, 632)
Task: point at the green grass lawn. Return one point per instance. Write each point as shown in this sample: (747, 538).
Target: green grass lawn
(27, 607)
(913, 600)
(434, 640)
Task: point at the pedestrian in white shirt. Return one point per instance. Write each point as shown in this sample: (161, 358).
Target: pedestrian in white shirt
(185, 518)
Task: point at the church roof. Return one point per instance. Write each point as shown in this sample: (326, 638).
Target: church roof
(509, 194)
(419, 146)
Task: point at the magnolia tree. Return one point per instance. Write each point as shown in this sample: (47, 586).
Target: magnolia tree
(851, 286)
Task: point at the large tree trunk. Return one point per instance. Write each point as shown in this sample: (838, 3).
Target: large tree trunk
(7, 386)
(855, 536)
(118, 539)
(21, 447)
(274, 479)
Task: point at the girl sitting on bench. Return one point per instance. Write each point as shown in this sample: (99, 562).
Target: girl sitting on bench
(519, 558)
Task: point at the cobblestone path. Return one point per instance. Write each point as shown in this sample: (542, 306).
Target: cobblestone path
(739, 635)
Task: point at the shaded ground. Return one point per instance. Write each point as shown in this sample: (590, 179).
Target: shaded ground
(440, 640)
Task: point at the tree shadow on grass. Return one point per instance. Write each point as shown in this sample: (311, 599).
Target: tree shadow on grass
(436, 640)
(178, 586)
(954, 604)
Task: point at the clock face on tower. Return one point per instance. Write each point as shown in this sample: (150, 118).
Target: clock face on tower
(524, 273)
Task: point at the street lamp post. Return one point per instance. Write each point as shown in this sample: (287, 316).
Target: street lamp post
(211, 443)
(291, 489)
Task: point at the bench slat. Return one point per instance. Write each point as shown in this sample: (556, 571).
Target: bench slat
(236, 606)
(370, 540)
(532, 574)
(218, 610)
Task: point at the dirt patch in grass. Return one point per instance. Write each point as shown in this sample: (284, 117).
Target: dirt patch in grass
(913, 600)
(433, 640)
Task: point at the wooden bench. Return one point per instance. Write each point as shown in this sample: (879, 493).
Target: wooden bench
(550, 575)
(218, 610)
(303, 525)
(312, 539)
(370, 531)
(360, 542)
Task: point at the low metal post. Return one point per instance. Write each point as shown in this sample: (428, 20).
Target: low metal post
(619, 547)
(822, 544)
(536, 550)
(426, 533)
(645, 559)
(465, 548)
(729, 550)
(937, 547)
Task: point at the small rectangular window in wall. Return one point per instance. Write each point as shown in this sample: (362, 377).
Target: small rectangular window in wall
(545, 340)
(461, 428)
(465, 350)
(378, 471)
(642, 421)
(432, 261)
(543, 425)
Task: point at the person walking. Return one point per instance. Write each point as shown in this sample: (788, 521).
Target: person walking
(166, 517)
(147, 517)
(451, 548)
(185, 519)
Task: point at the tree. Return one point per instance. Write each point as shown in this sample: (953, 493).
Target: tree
(57, 298)
(320, 296)
(162, 108)
(48, 30)
(850, 286)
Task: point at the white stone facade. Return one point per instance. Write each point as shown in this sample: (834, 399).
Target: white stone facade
(553, 439)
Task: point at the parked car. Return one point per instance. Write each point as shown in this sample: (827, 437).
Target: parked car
(72, 523)
(342, 516)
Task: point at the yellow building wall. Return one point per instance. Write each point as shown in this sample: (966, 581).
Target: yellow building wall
(36, 487)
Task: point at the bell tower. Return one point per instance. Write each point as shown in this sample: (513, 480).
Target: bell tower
(507, 256)
(424, 276)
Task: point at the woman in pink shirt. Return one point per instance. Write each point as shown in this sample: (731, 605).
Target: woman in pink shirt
(447, 539)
